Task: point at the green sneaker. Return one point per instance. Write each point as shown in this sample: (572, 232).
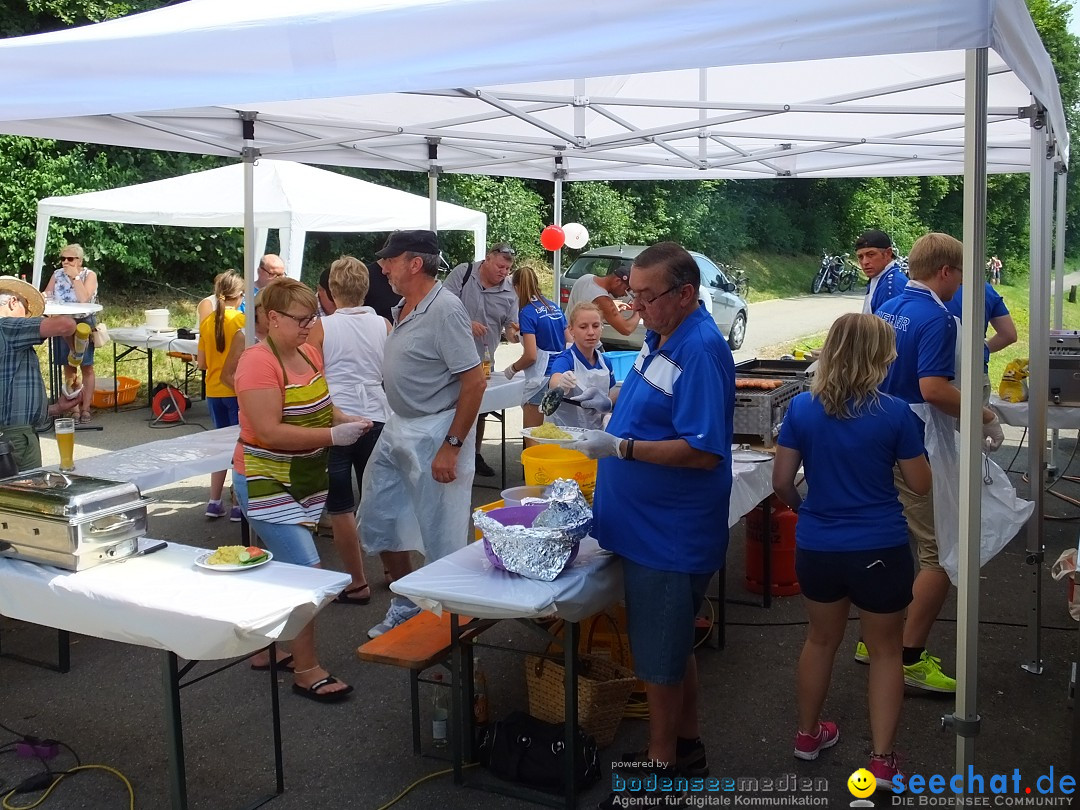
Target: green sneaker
(927, 675)
(862, 655)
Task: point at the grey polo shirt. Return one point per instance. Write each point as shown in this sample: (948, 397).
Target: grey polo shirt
(495, 307)
(424, 354)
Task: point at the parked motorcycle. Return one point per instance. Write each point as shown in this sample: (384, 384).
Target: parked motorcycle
(834, 273)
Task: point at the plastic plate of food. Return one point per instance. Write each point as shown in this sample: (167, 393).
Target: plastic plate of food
(234, 558)
(549, 433)
(748, 456)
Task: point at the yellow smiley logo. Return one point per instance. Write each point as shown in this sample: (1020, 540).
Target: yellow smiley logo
(862, 783)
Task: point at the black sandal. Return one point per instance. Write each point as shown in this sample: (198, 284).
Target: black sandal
(346, 597)
(312, 692)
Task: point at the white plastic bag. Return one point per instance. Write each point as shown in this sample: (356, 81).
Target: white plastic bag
(1003, 513)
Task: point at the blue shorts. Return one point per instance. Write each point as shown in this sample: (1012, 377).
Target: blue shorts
(224, 411)
(876, 580)
(61, 349)
(539, 395)
(660, 611)
(288, 542)
(343, 462)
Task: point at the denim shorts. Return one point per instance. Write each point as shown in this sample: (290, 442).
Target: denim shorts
(343, 462)
(875, 580)
(660, 611)
(539, 395)
(224, 411)
(288, 542)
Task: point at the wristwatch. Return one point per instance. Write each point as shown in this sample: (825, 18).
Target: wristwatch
(453, 441)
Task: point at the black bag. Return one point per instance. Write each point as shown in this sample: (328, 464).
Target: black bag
(528, 751)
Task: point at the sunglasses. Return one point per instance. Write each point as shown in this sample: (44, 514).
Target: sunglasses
(505, 250)
(69, 258)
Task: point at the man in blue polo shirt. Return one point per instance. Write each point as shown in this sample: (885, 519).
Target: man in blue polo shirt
(922, 373)
(662, 493)
(997, 315)
(876, 257)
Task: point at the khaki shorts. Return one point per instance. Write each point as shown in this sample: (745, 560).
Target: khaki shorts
(26, 448)
(919, 513)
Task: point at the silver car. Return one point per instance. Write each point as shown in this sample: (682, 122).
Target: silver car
(729, 310)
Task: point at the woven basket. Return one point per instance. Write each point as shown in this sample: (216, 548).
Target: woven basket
(603, 691)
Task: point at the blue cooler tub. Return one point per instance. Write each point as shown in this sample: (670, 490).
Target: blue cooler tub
(621, 363)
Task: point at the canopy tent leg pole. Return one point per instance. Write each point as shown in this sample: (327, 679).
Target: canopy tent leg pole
(1039, 380)
(965, 719)
(249, 153)
(556, 258)
(433, 184)
(1060, 176)
(41, 238)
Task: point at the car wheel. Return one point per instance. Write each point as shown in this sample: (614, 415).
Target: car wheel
(738, 332)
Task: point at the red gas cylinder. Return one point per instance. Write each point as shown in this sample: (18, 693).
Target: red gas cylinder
(782, 524)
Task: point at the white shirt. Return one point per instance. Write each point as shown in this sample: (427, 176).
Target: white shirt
(585, 289)
(354, 339)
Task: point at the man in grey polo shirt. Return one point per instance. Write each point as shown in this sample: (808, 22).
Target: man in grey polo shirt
(492, 303)
(418, 485)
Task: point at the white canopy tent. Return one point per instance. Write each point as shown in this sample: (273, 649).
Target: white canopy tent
(611, 89)
(291, 197)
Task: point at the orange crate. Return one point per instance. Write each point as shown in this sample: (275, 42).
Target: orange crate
(487, 507)
(126, 390)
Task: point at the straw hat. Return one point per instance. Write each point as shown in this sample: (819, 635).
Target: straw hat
(35, 301)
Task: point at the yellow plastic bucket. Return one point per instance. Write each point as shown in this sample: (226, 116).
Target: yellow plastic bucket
(544, 463)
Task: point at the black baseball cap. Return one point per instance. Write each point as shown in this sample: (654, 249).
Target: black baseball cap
(622, 271)
(409, 242)
(873, 239)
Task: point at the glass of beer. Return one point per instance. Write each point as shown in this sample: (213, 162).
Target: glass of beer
(65, 443)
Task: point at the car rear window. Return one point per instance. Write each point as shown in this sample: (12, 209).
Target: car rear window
(596, 265)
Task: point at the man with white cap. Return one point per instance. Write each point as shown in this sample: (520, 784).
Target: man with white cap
(24, 406)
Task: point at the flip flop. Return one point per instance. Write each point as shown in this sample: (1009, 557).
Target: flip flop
(346, 597)
(312, 692)
(285, 664)
(86, 418)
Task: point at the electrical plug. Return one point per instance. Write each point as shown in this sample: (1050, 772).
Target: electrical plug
(32, 784)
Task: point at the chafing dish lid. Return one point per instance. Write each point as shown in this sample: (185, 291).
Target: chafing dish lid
(44, 492)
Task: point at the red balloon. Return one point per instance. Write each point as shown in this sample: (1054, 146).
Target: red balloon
(552, 237)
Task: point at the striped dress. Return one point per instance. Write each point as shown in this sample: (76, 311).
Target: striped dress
(290, 486)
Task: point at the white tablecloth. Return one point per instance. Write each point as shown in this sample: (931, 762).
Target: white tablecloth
(165, 602)
(73, 309)
(465, 582)
(165, 461)
(502, 393)
(750, 485)
(142, 338)
(1058, 417)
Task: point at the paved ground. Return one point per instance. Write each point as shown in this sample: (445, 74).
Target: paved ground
(358, 755)
(782, 320)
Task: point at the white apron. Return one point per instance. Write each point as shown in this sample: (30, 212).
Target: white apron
(402, 508)
(536, 375)
(569, 415)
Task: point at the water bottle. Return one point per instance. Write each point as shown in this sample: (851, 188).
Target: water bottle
(480, 698)
(439, 713)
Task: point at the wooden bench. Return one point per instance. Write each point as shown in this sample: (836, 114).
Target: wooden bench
(418, 644)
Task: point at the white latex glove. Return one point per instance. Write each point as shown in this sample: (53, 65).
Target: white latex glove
(348, 432)
(509, 372)
(993, 436)
(597, 444)
(568, 382)
(594, 399)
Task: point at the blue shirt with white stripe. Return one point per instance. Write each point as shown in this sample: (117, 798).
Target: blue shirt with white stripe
(925, 342)
(661, 517)
(891, 283)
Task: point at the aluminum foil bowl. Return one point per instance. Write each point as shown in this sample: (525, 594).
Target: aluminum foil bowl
(512, 544)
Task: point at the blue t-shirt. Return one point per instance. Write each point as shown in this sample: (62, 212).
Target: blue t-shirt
(851, 502)
(547, 322)
(995, 308)
(564, 362)
(891, 283)
(925, 342)
(672, 518)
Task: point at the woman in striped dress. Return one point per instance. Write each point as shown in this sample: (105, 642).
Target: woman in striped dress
(287, 422)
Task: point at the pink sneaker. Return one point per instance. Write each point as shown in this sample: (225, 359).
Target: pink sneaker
(884, 768)
(808, 746)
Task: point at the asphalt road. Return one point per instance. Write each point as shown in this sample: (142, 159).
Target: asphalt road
(786, 319)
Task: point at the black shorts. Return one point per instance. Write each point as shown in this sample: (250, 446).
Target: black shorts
(876, 580)
(343, 463)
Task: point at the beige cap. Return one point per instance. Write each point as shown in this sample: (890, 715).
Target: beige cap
(35, 301)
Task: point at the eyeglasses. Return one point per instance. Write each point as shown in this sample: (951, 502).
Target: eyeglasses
(303, 321)
(69, 258)
(636, 298)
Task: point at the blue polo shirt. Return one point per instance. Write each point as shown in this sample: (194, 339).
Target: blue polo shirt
(995, 308)
(672, 518)
(851, 502)
(547, 322)
(891, 283)
(564, 362)
(925, 341)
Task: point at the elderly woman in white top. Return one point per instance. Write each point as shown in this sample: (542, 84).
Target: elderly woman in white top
(72, 283)
(352, 341)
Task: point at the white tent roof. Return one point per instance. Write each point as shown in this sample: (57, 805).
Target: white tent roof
(288, 196)
(688, 89)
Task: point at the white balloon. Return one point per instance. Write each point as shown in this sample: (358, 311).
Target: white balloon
(576, 235)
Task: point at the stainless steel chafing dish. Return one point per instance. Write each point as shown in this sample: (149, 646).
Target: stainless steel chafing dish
(70, 521)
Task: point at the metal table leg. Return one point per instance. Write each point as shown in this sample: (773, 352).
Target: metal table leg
(571, 633)
(174, 734)
(766, 552)
(63, 655)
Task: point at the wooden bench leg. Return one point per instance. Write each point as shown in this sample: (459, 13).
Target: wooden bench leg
(414, 699)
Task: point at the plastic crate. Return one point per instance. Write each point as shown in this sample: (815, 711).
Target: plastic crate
(487, 507)
(109, 392)
(621, 363)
